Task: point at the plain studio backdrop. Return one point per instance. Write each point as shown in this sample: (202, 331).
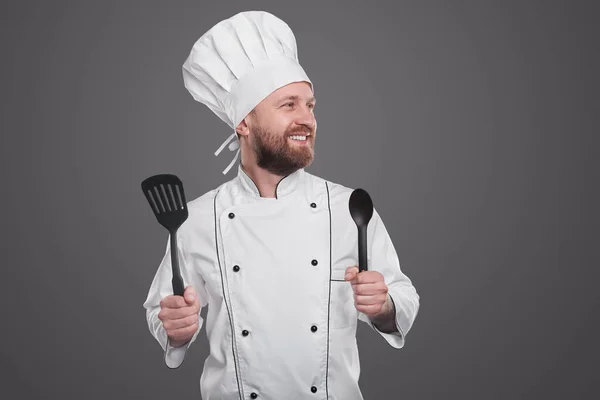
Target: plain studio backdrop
(472, 124)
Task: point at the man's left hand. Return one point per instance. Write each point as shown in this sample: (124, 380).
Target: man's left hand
(370, 291)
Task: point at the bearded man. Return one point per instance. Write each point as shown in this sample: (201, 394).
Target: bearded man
(273, 251)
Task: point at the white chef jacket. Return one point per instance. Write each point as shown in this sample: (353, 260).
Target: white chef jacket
(281, 320)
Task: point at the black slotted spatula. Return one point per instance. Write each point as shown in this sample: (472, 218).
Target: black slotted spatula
(165, 194)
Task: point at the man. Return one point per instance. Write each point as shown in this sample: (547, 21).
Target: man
(273, 252)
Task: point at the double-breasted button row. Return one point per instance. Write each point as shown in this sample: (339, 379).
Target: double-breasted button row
(245, 332)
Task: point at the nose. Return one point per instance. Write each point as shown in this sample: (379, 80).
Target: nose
(306, 117)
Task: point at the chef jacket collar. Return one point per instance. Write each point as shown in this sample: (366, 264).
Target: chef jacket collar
(286, 186)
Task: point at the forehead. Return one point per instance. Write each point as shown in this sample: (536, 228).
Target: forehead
(301, 90)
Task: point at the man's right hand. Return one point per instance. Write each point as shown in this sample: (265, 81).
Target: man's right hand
(179, 315)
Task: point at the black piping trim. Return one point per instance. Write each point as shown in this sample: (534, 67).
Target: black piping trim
(256, 186)
(225, 299)
(329, 300)
(338, 280)
(277, 186)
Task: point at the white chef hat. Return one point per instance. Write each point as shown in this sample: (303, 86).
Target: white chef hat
(239, 62)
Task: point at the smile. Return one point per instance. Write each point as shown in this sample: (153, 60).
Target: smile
(298, 137)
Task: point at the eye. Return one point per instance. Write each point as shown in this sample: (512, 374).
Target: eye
(288, 105)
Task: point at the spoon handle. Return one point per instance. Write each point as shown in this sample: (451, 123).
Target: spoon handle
(362, 248)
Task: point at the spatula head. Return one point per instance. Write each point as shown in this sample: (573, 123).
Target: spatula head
(165, 194)
(361, 207)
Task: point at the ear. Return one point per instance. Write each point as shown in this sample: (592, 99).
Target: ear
(243, 129)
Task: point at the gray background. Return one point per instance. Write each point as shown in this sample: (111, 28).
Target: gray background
(471, 123)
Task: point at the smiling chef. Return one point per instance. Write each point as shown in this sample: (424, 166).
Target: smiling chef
(273, 252)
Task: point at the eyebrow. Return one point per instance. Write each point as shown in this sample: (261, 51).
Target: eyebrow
(296, 98)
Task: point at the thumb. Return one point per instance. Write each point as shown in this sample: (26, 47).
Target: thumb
(190, 295)
(351, 273)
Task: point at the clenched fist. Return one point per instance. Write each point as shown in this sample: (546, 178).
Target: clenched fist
(179, 315)
(371, 297)
(370, 291)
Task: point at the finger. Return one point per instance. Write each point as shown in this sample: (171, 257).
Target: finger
(176, 313)
(182, 333)
(172, 324)
(369, 288)
(173, 301)
(190, 295)
(369, 300)
(369, 277)
(369, 309)
(351, 273)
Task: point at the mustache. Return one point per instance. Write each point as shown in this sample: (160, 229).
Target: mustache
(304, 130)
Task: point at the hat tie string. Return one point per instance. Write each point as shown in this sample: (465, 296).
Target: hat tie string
(232, 147)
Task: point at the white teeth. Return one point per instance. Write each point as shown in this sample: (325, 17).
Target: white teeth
(298, 137)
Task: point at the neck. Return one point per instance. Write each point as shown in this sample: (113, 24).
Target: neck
(265, 181)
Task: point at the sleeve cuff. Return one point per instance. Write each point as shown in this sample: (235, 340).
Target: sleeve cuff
(175, 356)
(394, 339)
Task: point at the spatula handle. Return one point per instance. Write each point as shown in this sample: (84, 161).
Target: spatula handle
(177, 280)
(362, 249)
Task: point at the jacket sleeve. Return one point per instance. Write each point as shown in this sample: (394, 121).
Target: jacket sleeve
(382, 257)
(160, 288)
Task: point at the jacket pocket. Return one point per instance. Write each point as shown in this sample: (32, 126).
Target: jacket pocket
(342, 311)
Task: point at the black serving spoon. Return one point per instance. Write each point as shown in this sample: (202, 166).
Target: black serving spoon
(361, 209)
(165, 194)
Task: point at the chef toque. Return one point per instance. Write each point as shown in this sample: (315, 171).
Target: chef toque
(239, 62)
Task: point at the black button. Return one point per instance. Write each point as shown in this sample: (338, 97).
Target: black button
(245, 332)
(313, 205)
(313, 389)
(253, 395)
(231, 215)
(314, 262)
(313, 328)
(236, 268)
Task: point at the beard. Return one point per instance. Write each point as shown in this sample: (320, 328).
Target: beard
(275, 154)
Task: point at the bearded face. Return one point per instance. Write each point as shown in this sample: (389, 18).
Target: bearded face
(278, 153)
(280, 130)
